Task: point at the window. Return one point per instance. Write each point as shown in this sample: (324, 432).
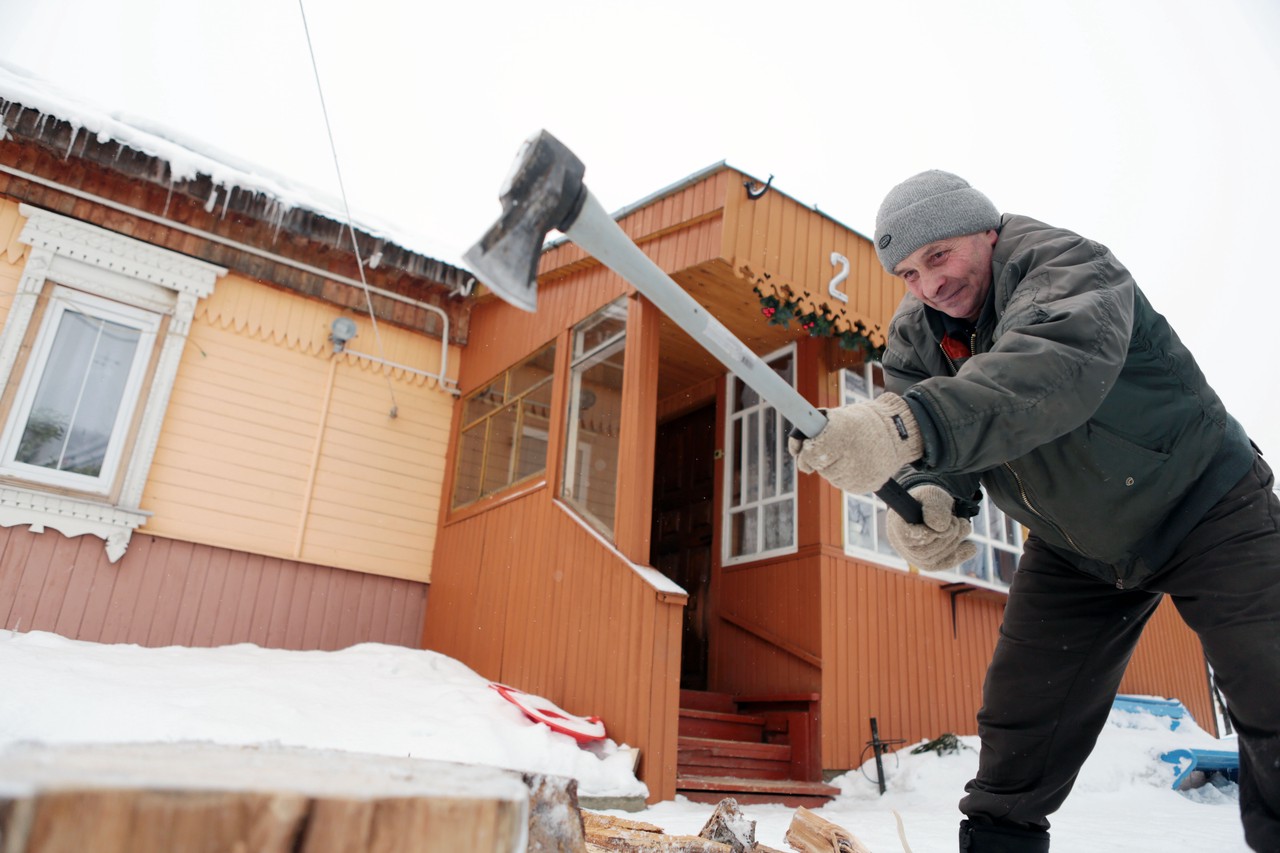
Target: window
(88, 357)
(999, 541)
(865, 514)
(68, 423)
(503, 440)
(998, 537)
(592, 427)
(760, 515)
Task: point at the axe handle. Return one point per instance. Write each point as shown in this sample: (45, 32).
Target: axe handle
(597, 232)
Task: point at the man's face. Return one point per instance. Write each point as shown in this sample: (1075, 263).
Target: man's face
(953, 275)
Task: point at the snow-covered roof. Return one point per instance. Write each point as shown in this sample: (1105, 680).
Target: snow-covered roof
(189, 159)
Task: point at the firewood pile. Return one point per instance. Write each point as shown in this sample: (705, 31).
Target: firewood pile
(727, 831)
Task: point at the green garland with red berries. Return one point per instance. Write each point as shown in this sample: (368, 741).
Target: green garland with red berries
(781, 305)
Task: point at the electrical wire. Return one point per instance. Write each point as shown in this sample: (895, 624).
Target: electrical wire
(346, 208)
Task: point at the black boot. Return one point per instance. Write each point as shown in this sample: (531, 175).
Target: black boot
(993, 838)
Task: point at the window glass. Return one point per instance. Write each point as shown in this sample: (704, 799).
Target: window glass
(998, 537)
(78, 397)
(760, 486)
(593, 425)
(503, 440)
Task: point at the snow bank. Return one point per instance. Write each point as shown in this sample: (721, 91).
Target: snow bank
(373, 698)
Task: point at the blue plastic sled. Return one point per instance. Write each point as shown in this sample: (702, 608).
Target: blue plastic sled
(1171, 708)
(1205, 760)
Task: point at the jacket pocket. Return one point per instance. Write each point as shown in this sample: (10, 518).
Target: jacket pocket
(1111, 445)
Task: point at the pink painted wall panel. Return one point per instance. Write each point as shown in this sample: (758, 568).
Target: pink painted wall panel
(167, 592)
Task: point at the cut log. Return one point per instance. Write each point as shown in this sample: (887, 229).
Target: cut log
(595, 822)
(728, 825)
(809, 833)
(555, 823)
(209, 797)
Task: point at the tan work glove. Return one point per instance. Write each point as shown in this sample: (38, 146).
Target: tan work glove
(863, 444)
(941, 542)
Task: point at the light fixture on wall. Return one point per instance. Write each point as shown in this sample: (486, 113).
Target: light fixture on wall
(341, 330)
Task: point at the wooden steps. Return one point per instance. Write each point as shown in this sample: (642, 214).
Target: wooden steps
(754, 749)
(787, 792)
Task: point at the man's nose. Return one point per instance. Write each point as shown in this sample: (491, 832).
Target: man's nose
(931, 284)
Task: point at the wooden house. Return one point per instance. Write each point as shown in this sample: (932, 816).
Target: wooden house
(191, 455)
(578, 502)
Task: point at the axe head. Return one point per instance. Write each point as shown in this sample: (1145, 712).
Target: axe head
(543, 192)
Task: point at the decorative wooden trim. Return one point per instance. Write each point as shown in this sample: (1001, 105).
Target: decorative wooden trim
(107, 264)
(106, 250)
(71, 517)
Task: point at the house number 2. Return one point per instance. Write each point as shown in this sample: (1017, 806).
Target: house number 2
(833, 287)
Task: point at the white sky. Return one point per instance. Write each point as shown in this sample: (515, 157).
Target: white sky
(1150, 125)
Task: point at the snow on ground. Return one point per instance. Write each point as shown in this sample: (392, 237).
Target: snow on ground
(391, 700)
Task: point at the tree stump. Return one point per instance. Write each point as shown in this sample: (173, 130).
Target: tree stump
(208, 797)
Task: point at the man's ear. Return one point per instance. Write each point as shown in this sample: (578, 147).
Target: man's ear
(992, 235)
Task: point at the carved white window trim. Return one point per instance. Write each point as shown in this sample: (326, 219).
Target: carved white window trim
(101, 262)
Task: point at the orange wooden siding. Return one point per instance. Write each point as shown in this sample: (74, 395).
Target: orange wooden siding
(1169, 662)
(526, 595)
(777, 235)
(891, 651)
(164, 592)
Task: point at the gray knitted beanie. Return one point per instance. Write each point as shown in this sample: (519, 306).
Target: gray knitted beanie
(930, 206)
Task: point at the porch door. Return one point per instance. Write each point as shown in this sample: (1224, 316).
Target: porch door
(683, 494)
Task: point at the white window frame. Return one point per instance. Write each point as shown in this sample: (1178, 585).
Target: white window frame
(63, 301)
(575, 480)
(783, 460)
(144, 280)
(870, 371)
(984, 561)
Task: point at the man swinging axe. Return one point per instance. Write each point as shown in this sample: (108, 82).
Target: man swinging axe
(1025, 358)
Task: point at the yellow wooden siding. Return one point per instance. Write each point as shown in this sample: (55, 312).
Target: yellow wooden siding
(11, 222)
(12, 255)
(274, 445)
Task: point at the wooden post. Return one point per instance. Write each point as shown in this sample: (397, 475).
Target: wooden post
(639, 431)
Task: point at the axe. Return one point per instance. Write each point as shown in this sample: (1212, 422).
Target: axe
(544, 191)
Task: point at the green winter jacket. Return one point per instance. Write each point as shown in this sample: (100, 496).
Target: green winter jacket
(1074, 403)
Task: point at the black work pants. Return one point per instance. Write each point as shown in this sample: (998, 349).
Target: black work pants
(1067, 638)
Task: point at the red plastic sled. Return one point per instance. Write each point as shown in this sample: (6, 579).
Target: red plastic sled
(540, 710)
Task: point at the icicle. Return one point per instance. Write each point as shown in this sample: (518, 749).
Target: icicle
(212, 202)
(75, 133)
(226, 203)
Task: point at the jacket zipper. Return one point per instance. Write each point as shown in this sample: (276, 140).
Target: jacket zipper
(1022, 492)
